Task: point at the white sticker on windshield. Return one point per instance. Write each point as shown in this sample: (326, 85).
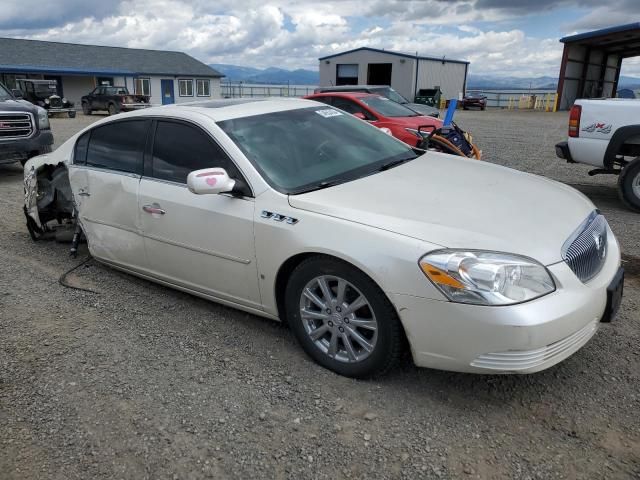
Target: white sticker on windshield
(328, 112)
(383, 98)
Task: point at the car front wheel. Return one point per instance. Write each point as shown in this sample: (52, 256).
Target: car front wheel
(342, 319)
(86, 110)
(629, 184)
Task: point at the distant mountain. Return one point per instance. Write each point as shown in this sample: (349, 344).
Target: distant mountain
(280, 76)
(498, 82)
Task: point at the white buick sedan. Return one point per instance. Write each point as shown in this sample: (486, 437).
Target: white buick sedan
(293, 210)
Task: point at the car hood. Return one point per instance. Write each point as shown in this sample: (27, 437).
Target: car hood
(423, 109)
(459, 203)
(414, 122)
(17, 106)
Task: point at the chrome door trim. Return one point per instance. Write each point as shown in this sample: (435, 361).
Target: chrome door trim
(197, 249)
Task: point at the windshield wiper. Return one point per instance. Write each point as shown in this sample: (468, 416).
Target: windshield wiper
(319, 186)
(394, 163)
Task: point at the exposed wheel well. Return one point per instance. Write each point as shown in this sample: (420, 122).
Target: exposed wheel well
(289, 266)
(283, 277)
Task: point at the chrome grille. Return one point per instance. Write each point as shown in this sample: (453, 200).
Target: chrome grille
(15, 125)
(586, 249)
(55, 101)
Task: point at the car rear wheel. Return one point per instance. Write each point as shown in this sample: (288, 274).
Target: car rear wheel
(85, 108)
(112, 109)
(629, 185)
(342, 319)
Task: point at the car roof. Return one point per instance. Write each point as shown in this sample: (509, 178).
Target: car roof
(352, 87)
(228, 108)
(344, 94)
(34, 80)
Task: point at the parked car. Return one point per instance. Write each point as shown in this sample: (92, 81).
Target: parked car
(402, 122)
(626, 93)
(44, 93)
(474, 100)
(385, 91)
(294, 210)
(113, 100)
(24, 129)
(606, 134)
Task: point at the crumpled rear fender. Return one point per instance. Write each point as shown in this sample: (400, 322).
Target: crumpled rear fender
(34, 171)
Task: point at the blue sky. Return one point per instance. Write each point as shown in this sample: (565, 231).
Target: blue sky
(499, 37)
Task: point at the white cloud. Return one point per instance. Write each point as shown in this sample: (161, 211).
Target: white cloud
(294, 33)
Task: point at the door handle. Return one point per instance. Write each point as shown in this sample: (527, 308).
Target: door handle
(84, 193)
(153, 208)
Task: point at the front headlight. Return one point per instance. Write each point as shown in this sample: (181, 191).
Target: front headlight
(46, 100)
(418, 134)
(43, 119)
(486, 278)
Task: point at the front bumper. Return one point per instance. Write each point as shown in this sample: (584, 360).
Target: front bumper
(523, 338)
(60, 110)
(562, 151)
(134, 106)
(17, 149)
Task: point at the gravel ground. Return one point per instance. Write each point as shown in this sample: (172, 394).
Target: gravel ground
(140, 381)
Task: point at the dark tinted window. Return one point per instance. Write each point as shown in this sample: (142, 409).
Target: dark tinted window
(351, 107)
(179, 149)
(118, 146)
(326, 100)
(80, 152)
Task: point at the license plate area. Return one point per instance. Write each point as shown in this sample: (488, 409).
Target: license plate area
(614, 296)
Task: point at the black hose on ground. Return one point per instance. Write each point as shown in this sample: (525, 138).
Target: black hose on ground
(63, 278)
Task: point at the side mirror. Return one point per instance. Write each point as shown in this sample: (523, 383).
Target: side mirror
(16, 93)
(360, 115)
(210, 181)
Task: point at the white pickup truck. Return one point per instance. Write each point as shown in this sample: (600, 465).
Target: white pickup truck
(605, 133)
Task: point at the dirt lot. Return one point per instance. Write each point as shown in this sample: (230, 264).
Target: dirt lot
(140, 381)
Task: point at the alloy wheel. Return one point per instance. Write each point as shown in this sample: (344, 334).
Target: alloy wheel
(338, 319)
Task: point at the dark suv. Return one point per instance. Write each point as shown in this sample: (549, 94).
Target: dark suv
(385, 91)
(24, 129)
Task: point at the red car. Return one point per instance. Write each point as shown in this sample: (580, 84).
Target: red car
(381, 112)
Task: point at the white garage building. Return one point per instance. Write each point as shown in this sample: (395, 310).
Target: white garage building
(405, 73)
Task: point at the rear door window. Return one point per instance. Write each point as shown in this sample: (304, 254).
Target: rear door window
(118, 146)
(80, 150)
(180, 148)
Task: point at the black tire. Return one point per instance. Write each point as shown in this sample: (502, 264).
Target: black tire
(465, 108)
(112, 108)
(389, 343)
(86, 110)
(628, 179)
(72, 114)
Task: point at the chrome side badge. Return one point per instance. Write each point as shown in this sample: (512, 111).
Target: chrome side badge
(278, 217)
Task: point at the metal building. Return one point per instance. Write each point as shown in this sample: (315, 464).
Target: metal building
(405, 73)
(167, 77)
(591, 62)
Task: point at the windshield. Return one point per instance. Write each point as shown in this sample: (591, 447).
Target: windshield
(116, 91)
(44, 90)
(4, 94)
(310, 148)
(391, 94)
(388, 108)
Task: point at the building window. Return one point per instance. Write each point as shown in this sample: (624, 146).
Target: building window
(185, 88)
(347, 74)
(202, 88)
(142, 86)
